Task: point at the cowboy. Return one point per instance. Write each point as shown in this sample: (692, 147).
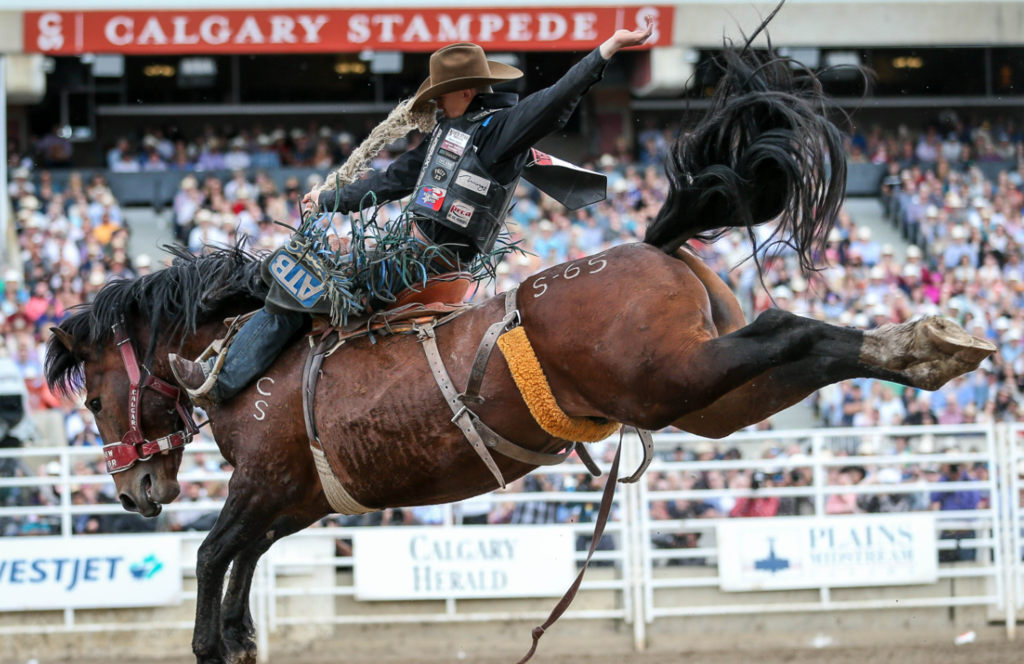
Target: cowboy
(462, 181)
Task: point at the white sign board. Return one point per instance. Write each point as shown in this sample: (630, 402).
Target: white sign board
(468, 562)
(788, 553)
(89, 572)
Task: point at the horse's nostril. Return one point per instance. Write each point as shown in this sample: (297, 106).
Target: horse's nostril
(128, 503)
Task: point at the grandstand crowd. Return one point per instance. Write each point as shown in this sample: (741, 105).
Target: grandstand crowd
(965, 263)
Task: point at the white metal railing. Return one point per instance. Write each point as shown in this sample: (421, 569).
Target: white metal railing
(1013, 466)
(638, 581)
(986, 522)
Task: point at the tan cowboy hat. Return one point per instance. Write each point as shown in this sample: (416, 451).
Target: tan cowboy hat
(460, 67)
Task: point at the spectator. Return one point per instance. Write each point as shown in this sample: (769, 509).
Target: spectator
(845, 503)
(956, 501)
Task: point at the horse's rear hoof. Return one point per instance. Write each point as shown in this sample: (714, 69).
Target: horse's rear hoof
(944, 351)
(951, 339)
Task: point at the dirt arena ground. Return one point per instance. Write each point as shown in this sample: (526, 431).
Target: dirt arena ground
(990, 649)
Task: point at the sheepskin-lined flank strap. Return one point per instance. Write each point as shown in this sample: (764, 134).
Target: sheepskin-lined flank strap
(533, 385)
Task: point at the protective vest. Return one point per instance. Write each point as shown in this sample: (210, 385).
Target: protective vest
(456, 190)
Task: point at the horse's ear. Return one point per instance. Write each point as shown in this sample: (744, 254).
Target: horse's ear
(64, 338)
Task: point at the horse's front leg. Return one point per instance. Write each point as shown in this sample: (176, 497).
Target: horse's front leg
(237, 625)
(242, 522)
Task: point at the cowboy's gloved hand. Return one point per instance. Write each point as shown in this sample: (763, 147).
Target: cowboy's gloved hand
(628, 38)
(311, 202)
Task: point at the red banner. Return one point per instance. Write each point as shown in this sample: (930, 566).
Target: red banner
(334, 31)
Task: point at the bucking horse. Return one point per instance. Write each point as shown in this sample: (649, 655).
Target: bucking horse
(643, 334)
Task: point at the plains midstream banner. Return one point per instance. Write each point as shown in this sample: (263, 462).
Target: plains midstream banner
(789, 553)
(434, 563)
(351, 30)
(95, 572)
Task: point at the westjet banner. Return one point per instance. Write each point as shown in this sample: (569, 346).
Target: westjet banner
(94, 572)
(335, 31)
(789, 553)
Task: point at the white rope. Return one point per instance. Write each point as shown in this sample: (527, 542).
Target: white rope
(399, 122)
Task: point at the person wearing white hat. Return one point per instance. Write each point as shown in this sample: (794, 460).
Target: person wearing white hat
(237, 157)
(266, 156)
(1011, 346)
(870, 251)
(142, 264)
(206, 233)
(237, 183)
(910, 278)
(21, 185)
(958, 248)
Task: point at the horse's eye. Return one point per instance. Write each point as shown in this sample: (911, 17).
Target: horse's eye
(96, 405)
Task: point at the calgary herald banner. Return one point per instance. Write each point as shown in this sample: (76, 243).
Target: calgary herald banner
(434, 563)
(334, 31)
(847, 551)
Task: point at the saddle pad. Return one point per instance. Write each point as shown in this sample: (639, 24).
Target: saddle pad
(536, 392)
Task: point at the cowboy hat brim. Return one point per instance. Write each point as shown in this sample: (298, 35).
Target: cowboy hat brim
(500, 73)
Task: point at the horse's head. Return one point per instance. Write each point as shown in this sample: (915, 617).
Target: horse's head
(122, 340)
(146, 483)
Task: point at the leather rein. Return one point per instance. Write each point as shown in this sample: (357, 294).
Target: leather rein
(134, 446)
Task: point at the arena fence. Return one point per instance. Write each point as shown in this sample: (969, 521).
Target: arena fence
(1013, 467)
(660, 558)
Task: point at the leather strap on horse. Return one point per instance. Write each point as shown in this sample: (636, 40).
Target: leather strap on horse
(602, 520)
(483, 353)
(339, 499)
(462, 418)
(480, 436)
(134, 446)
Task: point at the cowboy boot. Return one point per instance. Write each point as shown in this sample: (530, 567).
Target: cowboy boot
(194, 377)
(253, 349)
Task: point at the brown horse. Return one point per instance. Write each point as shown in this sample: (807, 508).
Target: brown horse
(642, 334)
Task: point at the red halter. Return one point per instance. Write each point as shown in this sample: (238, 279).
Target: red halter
(134, 447)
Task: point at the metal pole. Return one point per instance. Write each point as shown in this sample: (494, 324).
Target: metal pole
(5, 204)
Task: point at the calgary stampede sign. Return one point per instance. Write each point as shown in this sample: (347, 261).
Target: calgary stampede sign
(334, 31)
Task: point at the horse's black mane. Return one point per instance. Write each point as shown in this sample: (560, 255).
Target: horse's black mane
(174, 301)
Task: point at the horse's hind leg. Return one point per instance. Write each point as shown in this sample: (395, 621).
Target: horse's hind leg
(925, 353)
(771, 392)
(237, 625)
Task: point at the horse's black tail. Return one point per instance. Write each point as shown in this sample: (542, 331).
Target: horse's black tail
(764, 150)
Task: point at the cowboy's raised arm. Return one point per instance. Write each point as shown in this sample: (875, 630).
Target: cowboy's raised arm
(397, 181)
(548, 110)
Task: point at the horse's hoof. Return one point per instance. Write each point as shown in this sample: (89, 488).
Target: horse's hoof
(242, 658)
(241, 652)
(243, 655)
(929, 352)
(952, 339)
(943, 351)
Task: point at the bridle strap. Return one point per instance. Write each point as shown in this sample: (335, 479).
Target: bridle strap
(134, 446)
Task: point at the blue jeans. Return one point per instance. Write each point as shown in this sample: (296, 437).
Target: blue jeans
(254, 349)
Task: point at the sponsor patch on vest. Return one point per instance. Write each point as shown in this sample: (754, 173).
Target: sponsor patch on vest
(460, 213)
(455, 141)
(431, 197)
(449, 154)
(445, 163)
(440, 174)
(296, 279)
(474, 183)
